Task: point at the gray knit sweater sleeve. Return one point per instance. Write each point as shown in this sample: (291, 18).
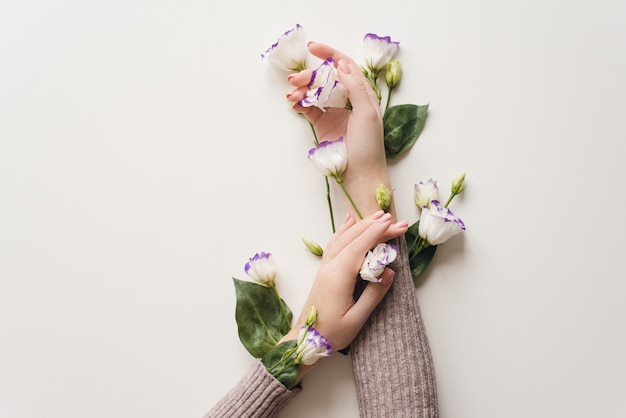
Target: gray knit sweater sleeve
(257, 395)
(391, 356)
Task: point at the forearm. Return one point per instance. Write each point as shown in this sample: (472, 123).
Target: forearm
(257, 395)
(391, 356)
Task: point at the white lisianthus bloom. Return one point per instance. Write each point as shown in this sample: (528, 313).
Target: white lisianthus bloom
(438, 224)
(425, 193)
(311, 346)
(330, 158)
(376, 260)
(262, 269)
(290, 51)
(378, 51)
(324, 88)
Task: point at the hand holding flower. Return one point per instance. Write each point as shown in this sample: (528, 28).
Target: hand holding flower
(339, 317)
(361, 127)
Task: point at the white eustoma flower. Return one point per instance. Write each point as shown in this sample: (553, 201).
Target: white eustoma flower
(378, 51)
(262, 268)
(330, 158)
(438, 224)
(290, 51)
(376, 260)
(425, 193)
(311, 346)
(324, 88)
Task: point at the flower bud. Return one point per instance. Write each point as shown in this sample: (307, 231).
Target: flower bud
(458, 185)
(425, 193)
(311, 317)
(393, 73)
(313, 247)
(383, 197)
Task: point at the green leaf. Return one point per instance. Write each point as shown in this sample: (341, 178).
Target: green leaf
(403, 124)
(260, 319)
(420, 262)
(284, 370)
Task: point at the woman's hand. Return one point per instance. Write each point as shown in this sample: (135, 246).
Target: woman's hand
(339, 317)
(361, 127)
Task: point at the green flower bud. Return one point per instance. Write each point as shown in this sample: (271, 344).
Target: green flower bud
(458, 185)
(383, 197)
(393, 73)
(313, 247)
(311, 317)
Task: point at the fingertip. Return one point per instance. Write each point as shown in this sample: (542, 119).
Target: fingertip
(387, 277)
(402, 224)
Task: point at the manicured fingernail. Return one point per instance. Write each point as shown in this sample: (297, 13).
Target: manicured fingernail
(378, 214)
(385, 217)
(344, 67)
(402, 224)
(290, 76)
(348, 217)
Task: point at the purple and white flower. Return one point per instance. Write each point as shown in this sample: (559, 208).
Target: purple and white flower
(425, 193)
(378, 51)
(290, 51)
(438, 224)
(311, 346)
(330, 158)
(324, 88)
(262, 269)
(376, 260)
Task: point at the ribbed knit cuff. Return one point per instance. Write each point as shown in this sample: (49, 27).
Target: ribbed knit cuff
(257, 395)
(391, 356)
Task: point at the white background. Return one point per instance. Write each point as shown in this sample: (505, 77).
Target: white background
(146, 152)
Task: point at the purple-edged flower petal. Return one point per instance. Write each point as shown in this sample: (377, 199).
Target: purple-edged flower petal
(376, 260)
(438, 224)
(378, 51)
(330, 158)
(325, 90)
(311, 346)
(262, 268)
(290, 51)
(425, 193)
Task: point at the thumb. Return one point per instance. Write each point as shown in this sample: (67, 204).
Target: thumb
(359, 90)
(372, 296)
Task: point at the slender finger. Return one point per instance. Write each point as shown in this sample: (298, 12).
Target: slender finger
(344, 236)
(297, 94)
(303, 78)
(372, 295)
(324, 51)
(362, 237)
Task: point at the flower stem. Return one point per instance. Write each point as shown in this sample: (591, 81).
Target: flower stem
(388, 100)
(328, 198)
(449, 200)
(330, 205)
(315, 140)
(345, 191)
(282, 307)
(423, 244)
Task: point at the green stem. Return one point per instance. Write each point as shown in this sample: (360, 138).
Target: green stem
(449, 200)
(282, 307)
(330, 205)
(423, 244)
(345, 191)
(328, 198)
(388, 100)
(316, 141)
